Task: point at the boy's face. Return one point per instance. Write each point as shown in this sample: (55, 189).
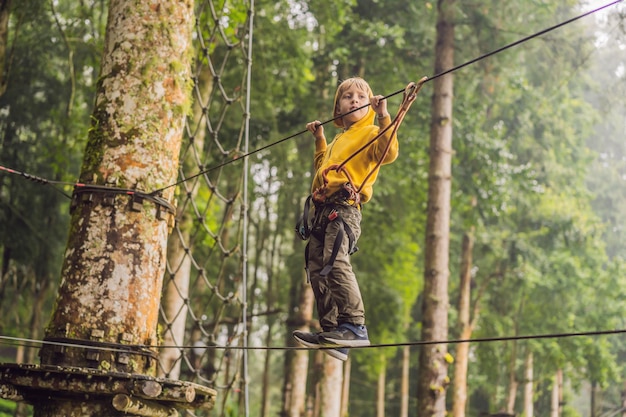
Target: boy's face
(353, 98)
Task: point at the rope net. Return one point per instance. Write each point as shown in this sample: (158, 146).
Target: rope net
(202, 303)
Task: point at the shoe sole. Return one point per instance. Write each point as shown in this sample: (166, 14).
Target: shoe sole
(307, 344)
(334, 353)
(343, 343)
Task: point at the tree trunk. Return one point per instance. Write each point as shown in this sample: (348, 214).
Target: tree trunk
(265, 389)
(511, 395)
(557, 394)
(297, 361)
(40, 292)
(274, 253)
(513, 379)
(330, 387)
(380, 391)
(592, 400)
(115, 258)
(528, 385)
(624, 399)
(404, 387)
(459, 398)
(5, 14)
(433, 367)
(176, 285)
(345, 388)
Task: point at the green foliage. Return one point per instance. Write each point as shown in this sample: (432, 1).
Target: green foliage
(538, 171)
(43, 119)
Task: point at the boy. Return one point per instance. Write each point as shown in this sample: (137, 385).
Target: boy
(345, 173)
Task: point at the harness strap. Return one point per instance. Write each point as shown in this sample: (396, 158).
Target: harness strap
(329, 266)
(304, 230)
(338, 241)
(302, 226)
(306, 262)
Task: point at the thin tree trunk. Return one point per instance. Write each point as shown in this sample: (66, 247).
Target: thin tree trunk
(318, 367)
(297, 361)
(513, 380)
(265, 389)
(345, 388)
(512, 393)
(431, 390)
(274, 253)
(404, 383)
(330, 387)
(40, 293)
(528, 385)
(5, 59)
(557, 395)
(176, 288)
(459, 398)
(380, 391)
(592, 400)
(624, 399)
(115, 257)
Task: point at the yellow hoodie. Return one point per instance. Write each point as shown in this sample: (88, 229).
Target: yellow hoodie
(344, 145)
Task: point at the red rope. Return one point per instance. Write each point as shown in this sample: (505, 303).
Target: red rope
(410, 93)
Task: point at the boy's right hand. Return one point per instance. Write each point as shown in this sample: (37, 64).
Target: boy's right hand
(316, 128)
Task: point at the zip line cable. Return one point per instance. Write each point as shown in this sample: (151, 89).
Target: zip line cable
(155, 197)
(18, 341)
(441, 74)
(150, 195)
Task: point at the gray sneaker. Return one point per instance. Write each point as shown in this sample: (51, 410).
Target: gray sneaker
(337, 353)
(312, 340)
(346, 335)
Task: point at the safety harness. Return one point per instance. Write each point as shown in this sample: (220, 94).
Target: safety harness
(325, 213)
(325, 206)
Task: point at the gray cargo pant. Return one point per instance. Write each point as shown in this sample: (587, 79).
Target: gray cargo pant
(337, 295)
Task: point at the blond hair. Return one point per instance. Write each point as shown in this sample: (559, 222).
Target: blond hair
(360, 83)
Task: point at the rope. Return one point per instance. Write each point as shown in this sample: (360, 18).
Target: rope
(153, 196)
(82, 188)
(18, 341)
(434, 77)
(410, 94)
(294, 135)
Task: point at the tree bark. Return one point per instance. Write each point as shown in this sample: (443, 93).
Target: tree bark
(528, 385)
(593, 392)
(512, 393)
(330, 387)
(431, 390)
(345, 388)
(115, 258)
(459, 397)
(380, 392)
(624, 399)
(270, 299)
(5, 14)
(297, 361)
(404, 387)
(557, 394)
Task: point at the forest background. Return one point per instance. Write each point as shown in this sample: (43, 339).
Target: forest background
(538, 172)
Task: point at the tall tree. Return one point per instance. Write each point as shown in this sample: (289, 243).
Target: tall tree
(115, 256)
(433, 378)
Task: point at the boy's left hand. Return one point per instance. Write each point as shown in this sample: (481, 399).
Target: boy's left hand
(379, 105)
